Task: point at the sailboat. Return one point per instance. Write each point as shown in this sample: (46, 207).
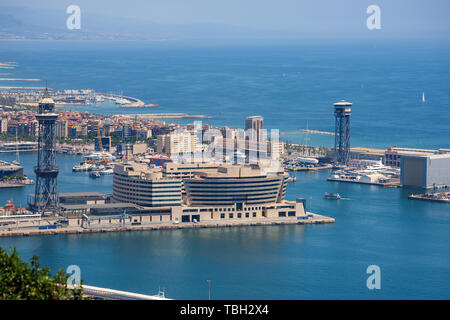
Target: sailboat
(423, 97)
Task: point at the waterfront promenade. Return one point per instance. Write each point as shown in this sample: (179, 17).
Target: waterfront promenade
(31, 228)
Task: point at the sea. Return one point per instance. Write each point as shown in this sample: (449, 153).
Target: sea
(291, 85)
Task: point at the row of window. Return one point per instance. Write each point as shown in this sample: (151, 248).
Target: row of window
(204, 182)
(237, 195)
(289, 213)
(239, 215)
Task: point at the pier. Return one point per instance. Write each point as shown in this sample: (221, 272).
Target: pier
(31, 227)
(436, 196)
(394, 183)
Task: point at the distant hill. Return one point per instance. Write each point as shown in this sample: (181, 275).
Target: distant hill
(27, 23)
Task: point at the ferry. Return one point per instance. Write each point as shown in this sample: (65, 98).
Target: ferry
(332, 196)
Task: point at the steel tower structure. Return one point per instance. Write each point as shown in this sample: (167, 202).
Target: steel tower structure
(46, 200)
(342, 112)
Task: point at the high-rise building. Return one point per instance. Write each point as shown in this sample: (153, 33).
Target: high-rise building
(256, 125)
(106, 144)
(176, 142)
(62, 129)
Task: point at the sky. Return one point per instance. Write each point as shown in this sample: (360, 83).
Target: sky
(294, 18)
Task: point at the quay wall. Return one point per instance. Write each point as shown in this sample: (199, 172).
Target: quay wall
(312, 219)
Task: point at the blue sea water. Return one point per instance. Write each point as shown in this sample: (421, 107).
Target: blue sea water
(287, 84)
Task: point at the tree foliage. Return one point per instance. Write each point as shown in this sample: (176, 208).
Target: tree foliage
(21, 280)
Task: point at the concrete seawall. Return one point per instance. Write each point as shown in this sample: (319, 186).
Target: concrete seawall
(315, 219)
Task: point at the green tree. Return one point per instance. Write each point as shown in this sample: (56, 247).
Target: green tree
(21, 280)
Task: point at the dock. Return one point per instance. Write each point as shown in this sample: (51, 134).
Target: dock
(395, 183)
(436, 196)
(309, 169)
(34, 230)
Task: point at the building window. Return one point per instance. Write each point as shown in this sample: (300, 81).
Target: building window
(247, 214)
(254, 214)
(239, 215)
(222, 216)
(231, 216)
(291, 213)
(282, 214)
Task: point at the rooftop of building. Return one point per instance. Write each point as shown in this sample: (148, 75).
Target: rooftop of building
(429, 156)
(47, 100)
(81, 194)
(201, 170)
(343, 103)
(9, 166)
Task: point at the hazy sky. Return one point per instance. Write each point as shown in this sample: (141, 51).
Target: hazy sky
(399, 18)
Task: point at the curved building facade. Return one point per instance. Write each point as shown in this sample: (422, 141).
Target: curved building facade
(234, 185)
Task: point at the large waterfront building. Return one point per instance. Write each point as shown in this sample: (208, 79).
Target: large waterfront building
(393, 155)
(136, 183)
(425, 171)
(213, 192)
(235, 185)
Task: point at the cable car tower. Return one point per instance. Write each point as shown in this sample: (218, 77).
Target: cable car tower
(342, 112)
(46, 200)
